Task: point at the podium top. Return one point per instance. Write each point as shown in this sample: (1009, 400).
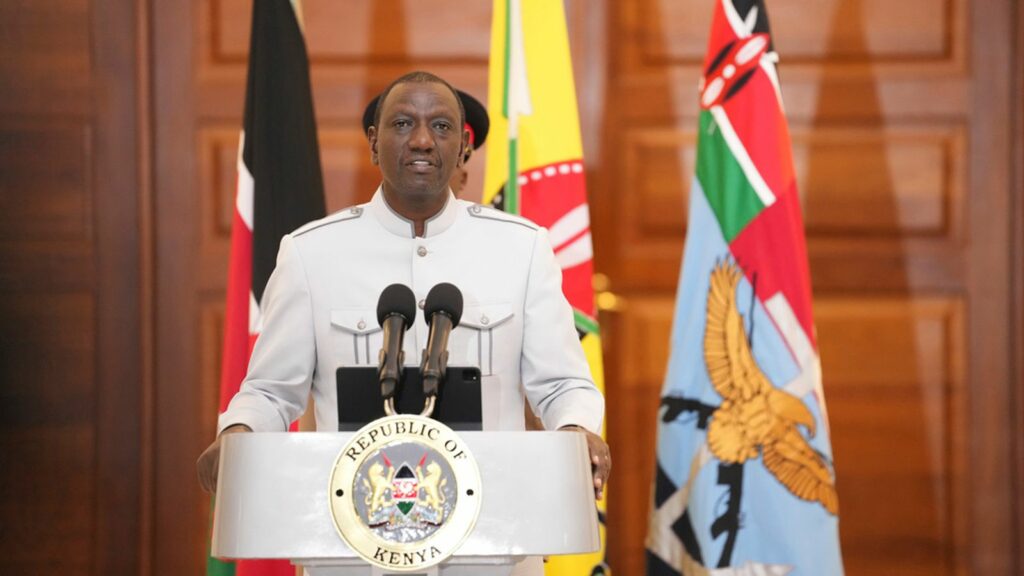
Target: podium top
(273, 496)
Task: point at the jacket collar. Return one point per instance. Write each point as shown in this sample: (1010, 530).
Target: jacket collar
(401, 226)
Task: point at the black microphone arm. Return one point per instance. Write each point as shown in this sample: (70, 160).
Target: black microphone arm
(442, 310)
(396, 311)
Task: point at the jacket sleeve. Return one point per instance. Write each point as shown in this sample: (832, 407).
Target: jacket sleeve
(555, 374)
(277, 384)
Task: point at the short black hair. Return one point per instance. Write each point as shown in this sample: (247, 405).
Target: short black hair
(418, 76)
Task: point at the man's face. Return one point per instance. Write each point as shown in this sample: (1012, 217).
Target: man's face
(418, 143)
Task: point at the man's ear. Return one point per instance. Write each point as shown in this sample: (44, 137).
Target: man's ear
(465, 149)
(371, 135)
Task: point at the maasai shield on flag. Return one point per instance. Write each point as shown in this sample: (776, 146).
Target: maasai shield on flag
(535, 169)
(280, 188)
(405, 489)
(744, 481)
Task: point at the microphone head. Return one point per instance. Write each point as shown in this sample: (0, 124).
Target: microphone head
(398, 299)
(445, 298)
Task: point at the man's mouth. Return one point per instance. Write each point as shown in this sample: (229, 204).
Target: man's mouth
(421, 165)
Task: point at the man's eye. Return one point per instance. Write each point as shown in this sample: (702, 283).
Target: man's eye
(401, 123)
(443, 126)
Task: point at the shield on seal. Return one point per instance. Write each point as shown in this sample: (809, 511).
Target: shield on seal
(405, 489)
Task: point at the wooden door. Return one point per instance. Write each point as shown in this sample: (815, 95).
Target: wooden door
(898, 114)
(71, 189)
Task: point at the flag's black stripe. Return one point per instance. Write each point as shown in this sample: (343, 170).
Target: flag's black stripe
(281, 150)
(718, 58)
(743, 8)
(740, 83)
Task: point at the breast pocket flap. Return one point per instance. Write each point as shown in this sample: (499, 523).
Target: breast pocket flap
(357, 321)
(485, 316)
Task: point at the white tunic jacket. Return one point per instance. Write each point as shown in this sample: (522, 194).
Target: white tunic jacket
(319, 313)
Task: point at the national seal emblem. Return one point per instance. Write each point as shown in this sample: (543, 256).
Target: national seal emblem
(405, 492)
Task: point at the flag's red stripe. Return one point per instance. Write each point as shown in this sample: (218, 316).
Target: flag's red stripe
(264, 568)
(236, 312)
(721, 34)
(578, 287)
(771, 249)
(758, 120)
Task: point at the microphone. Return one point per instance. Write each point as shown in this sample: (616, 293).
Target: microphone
(442, 310)
(396, 310)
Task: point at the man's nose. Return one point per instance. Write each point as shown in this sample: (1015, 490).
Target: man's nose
(421, 138)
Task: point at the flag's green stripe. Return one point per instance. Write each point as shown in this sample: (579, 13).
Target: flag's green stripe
(732, 198)
(214, 566)
(585, 323)
(508, 54)
(512, 185)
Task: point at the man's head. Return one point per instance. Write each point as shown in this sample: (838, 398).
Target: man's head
(477, 122)
(418, 139)
(421, 77)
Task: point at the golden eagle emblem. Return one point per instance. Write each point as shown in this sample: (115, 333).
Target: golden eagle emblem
(755, 417)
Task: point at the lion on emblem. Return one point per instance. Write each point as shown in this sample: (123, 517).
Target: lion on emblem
(377, 486)
(431, 484)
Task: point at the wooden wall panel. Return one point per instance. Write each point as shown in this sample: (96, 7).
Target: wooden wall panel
(360, 31)
(45, 183)
(47, 434)
(896, 181)
(917, 29)
(69, 270)
(894, 377)
(855, 182)
(47, 61)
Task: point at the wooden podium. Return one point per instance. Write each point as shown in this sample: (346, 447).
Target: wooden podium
(273, 502)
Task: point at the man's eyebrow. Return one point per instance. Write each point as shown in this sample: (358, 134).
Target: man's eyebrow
(409, 110)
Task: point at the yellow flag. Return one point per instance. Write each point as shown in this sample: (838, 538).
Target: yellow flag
(535, 169)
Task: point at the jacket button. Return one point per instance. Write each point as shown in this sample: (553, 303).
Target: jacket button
(422, 303)
(361, 325)
(422, 250)
(485, 320)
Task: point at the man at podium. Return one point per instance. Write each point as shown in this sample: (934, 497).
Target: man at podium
(320, 302)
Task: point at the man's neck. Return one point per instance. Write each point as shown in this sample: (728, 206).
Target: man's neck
(416, 210)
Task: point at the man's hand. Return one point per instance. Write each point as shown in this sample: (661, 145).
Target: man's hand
(600, 458)
(209, 460)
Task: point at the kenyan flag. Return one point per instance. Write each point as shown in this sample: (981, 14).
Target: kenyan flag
(535, 169)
